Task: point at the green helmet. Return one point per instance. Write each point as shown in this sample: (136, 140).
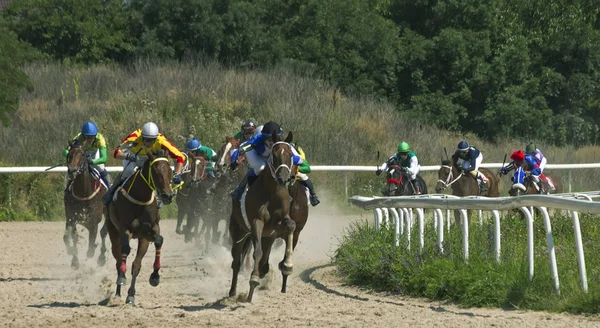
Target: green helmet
(403, 147)
(530, 148)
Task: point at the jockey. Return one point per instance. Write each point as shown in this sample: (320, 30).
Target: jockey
(257, 152)
(526, 161)
(302, 176)
(246, 132)
(133, 150)
(540, 161)
(95, 149)
(208, 154)
(471, 160)
(409, 163)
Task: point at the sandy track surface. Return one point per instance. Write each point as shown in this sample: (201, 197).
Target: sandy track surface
(38, 288)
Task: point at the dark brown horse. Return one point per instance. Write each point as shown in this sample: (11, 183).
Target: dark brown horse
(189, 197)
(463, 184)
(399, 184)
(275, 208)
(134, 214)
(83, 204)
(523, 184)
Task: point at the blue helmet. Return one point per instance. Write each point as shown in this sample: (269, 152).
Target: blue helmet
(192, 145)
(89, 129)
(463, 146)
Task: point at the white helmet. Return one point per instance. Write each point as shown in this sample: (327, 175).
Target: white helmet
(258, 130)
(150, 130)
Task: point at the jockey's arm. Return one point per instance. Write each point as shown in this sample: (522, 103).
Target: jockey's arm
(543, 164)
(103, 157)
(301, 163)
(175, 154)
(414, 165)
(386, 164)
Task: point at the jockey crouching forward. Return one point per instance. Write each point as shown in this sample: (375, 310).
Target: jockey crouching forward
(409, 163)
(246, 132)
(302, 176)
(471, 160)
(257, 152)
(195, 147)
(540, 163)
(134, 149)
(95, 149)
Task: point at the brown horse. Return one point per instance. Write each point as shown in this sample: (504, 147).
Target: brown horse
(83, 204)
(189, 197)
(275, 208)
(462, 184)
(134, 214)
(399, 184)
(523, 184)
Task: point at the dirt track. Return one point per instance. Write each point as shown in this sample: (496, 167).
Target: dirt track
(38, 288)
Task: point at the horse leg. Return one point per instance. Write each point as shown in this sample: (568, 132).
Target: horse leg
(75, 239)
(257, 228)
(103, 233)
(116, 252)
(135, 268)
(286, 265)
(158, 242)
(93, 233)
(267, 245)
(122, 261)
(238, 247)
(180, 214)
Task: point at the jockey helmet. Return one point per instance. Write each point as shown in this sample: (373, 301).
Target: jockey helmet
(258, 130)
(150, 130)
(89, 129)
(271, 128)
(403, 147)
(518, 156)
(248, 126)
(530, 149)
(463, 146)
(192, 145)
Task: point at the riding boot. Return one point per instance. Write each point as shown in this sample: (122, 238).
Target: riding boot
(314, 201)
(415, 183)
(106, 178)
(237, 193)
(110, 192)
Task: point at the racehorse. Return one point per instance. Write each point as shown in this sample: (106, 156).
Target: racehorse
(399, 184)
(83, 204)
(189, 197)
(134, 214)
(523, 184)
(463, 184)
(275, 208)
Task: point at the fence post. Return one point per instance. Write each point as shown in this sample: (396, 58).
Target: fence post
(569, 180)
(346, 183)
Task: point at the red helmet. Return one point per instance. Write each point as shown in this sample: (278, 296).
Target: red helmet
(518, 156)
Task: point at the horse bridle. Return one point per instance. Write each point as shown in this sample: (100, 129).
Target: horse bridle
(448, 183)
(275, 170)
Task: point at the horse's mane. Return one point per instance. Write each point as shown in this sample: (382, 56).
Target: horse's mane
(446, 162)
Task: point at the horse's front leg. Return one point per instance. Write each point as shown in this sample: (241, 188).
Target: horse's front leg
(103, 233)
(158, 242)
(257, 229)
(286, 266)
(93, 233)
(180, 214)
(135, 269)
(267, 245)
(71, 239)
(122, 263)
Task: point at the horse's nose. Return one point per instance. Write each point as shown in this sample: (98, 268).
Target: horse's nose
(167, 198)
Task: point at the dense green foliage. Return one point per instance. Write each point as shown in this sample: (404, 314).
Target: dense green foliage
(370, 258)
(525, 69)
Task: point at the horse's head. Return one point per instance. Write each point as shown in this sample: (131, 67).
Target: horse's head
(76, 160)
(224, 156)
(280, 160)
(159, 176)
(445, 176)
(197, 168)
(395, 181)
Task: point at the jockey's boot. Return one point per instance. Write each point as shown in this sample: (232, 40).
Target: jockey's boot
(106, 178)
(111, 191)
(237, 193)
(314, 200)
(482, 179)
(417, 186)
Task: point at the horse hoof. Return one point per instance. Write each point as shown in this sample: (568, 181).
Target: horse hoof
(154, 280)
(179, 231)
(101, 260)
(75, 263)
(254, 281)
(285, 270)
(90, 253)
(121, 281)
(130, 300)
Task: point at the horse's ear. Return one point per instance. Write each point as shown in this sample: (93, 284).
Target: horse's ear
(290, 137)
(227, 138)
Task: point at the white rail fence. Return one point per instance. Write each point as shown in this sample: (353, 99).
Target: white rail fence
(339, 168)
(399, 210)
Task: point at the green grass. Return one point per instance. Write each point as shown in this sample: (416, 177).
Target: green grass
(370, 258)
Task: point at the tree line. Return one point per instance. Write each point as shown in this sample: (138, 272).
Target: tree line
(527, 69)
